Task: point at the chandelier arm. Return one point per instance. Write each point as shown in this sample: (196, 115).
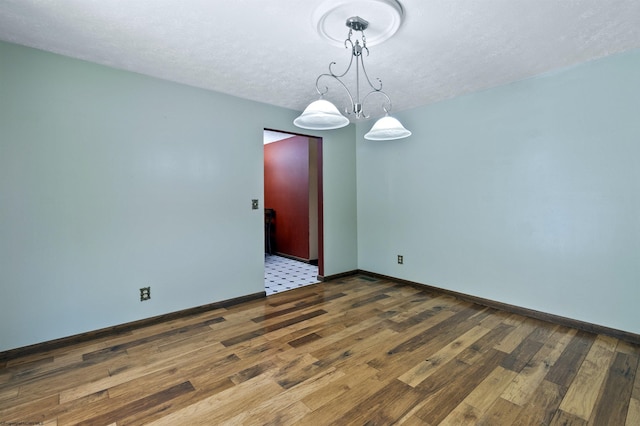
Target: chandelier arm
(336, 78)
(350, 62)
(364, 71)
(386, 106)
(326, 88)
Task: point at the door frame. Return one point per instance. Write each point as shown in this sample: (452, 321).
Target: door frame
(320, 191)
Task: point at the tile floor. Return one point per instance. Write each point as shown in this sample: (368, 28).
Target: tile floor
(282, 274)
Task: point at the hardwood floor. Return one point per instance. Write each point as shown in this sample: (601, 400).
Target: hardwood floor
(358, 350)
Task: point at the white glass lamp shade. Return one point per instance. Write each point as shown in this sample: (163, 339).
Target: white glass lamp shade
(321, 115)
(387, 128)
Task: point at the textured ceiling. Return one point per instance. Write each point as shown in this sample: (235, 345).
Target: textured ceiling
(269, 51)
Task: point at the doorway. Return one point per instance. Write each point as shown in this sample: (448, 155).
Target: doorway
(293, 210)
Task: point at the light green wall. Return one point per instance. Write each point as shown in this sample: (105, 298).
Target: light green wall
(527, 194)
(111, 181)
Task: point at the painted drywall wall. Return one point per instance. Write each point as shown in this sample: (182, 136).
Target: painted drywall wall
(527, 194)
(111, 181)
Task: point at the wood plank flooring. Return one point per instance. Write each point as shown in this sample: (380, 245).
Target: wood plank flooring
(359, 350)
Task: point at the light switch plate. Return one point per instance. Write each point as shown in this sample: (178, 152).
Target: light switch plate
(254, 204)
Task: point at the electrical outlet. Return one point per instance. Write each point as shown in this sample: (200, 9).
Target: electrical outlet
(400, 259)
(254, 204)
(145, 293)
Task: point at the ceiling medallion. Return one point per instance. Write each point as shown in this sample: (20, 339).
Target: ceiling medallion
(385, 17)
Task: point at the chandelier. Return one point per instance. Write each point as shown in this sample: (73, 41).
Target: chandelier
(323, 115)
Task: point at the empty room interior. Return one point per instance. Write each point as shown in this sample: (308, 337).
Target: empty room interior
(468, 194)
